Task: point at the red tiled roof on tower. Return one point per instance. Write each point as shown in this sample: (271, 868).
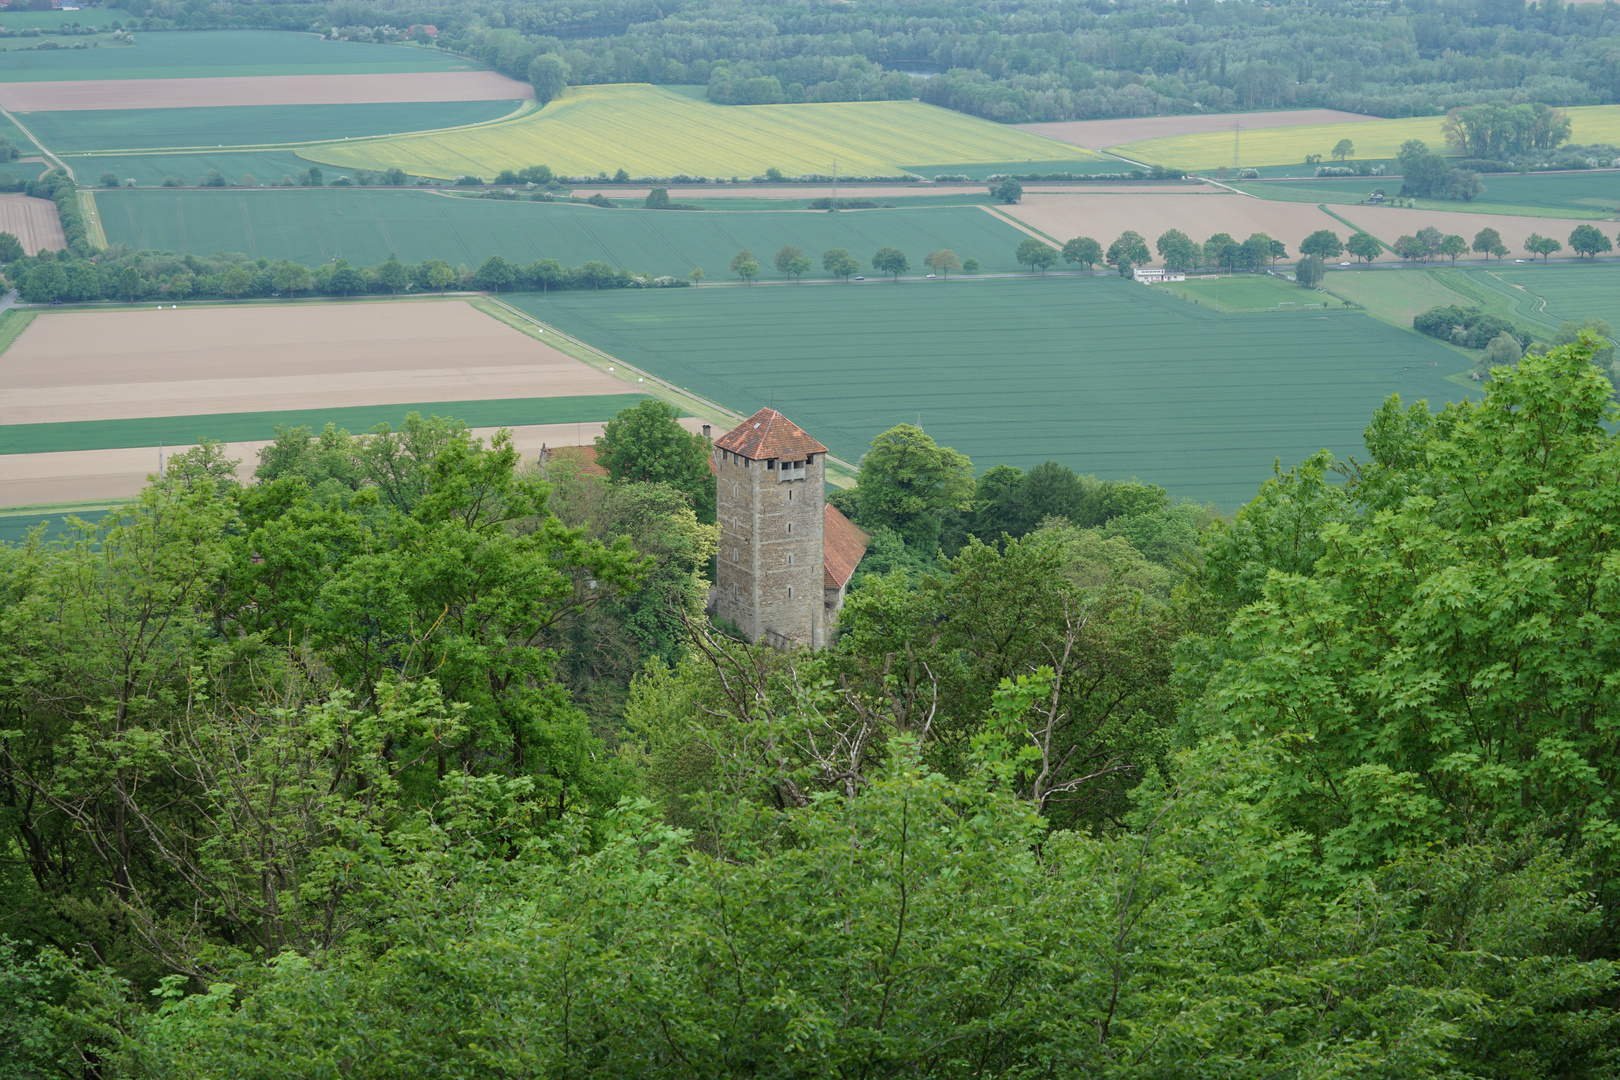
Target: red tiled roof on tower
(769, 434)
(843, 545)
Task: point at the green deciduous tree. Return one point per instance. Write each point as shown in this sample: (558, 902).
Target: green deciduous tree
(890, 260)
(839, 263)
(496, 273)
(1177, 250)
(548, 75)
(907, 483)
(942, 262)
(1083, 250)
(290, 278)
(785, 259)
(1342, 150)
(1323, 242)
(1453, 247)
(1536, 244)
(646, 443)
(1036, 254)
(1364, 246)
(391, 275)
(1129, 250)
(744, 265)
(1589, 241)
(11, 248)
(1309, 271)
(1486, 241)
(1008, 191)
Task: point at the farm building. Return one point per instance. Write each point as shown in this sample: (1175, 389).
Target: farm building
(786, 557)
(1153, 275)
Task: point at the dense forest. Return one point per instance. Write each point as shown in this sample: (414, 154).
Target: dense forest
(410, 758)
(1012, 61)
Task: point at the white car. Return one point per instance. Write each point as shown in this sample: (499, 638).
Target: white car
(1518, 260)
(1344, 264)
(930, 275)
(860, 279)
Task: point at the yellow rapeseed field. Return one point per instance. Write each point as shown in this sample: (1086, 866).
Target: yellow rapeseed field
(649, 131)
(1373, 139)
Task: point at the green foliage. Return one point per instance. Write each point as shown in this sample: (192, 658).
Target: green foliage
(646, 444)
(1036, 254)
(907, 482)
(1083, 250)
(1455, 600)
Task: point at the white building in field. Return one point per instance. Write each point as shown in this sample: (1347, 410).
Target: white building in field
(1155, 275)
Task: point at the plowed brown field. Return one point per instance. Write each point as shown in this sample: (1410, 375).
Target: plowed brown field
(260, 90)
(33, 221)
(1101, 134)
(112, 365)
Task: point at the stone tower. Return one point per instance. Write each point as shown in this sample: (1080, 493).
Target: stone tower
(770, 493)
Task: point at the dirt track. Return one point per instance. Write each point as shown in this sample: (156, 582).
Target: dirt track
(1104, 216)
(196, 361)
(1101, 134)
(33, 221)
(80, 476)
(260, 90)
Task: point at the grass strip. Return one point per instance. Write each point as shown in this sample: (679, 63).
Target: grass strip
(245, 427)
(92, 219)
(1350, 224)
(12, 324)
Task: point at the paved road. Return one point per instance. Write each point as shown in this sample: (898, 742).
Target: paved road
(8, 301)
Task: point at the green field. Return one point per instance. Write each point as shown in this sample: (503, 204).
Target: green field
(1550, 295)
(650, 131)
(248, 125)
(1101, 374)
(1593, 195)
(149, 170)
(194, 54)
(1246, 292)
(50, 20)
(1397, 294)
(366, 224)
(244, 427)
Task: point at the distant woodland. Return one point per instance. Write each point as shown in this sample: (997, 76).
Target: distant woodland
(1014, 62)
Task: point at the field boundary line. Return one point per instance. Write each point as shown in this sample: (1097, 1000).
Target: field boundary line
(13, 322)
(1229, 187)
(999, 213)
(675, 395)
(43, 149)
(1346, 221)
(92, 216)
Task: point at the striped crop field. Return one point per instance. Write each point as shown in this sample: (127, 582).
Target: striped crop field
(1373, 139)
(363, 225)
(650, 131)
(1104, 375)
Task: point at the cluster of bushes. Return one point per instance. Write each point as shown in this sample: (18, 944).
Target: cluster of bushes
(313, 176)
(826, 203)
(1470, 327)
(1157, 172)
(1360, 168)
